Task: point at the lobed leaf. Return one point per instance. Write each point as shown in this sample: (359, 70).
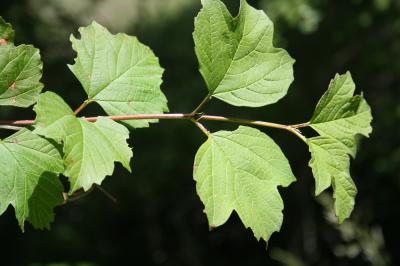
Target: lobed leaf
(90, 149)
(241, 170)
(119, 73)
(330, 164)
(342, 116)
(338, 118)
(29, 168)
(237, 58)
(20, 74)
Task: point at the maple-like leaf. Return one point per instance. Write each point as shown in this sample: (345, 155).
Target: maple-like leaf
(29, 168)
(241, 170)
(339, 118)
(90, 149)
(237, 58)
(119, 73)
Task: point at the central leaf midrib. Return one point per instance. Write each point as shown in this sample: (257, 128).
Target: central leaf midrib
(236, 208)
(232, 167)
(15, 180)
(28, 62)
(236, 48)
(78, 177)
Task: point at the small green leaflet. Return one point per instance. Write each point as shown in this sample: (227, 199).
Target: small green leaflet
(6, 32)
(338, 118)
(330, 164)
(20, 74)
(90, 149)
(29, 168)
(342, 116)
(241, 170)
(237, 58)
(119, 73)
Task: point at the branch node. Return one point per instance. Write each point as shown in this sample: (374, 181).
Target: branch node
(198, 116)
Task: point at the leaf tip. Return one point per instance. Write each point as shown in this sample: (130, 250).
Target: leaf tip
(22, 225)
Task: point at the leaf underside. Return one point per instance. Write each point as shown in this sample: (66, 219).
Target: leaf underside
(237, 58)
(241, 170)
(119, 73)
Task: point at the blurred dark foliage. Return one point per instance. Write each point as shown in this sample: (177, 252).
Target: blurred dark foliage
(158, 219)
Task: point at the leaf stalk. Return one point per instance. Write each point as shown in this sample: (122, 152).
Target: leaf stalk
(202, 104)
(82, 106)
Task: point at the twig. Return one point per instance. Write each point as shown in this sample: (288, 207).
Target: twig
(106, 193)
(10, 127)
(196, 117)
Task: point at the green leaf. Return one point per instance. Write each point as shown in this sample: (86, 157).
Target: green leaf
(90, 149)
(338, 118)
(330, 164)
(237, 58)
(241, 170)
(20, 74)
(29, 168)
(6, 32)
(119, 73)
(342, 116)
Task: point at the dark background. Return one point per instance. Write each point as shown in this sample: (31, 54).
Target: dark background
(158, 219)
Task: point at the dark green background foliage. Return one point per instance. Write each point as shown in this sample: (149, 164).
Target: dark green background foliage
(158, 219)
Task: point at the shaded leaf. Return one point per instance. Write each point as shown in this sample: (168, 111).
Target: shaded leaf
(6, 32)
(29, 168)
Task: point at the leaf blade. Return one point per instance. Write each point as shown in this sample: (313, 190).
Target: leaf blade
(342, 116)
(30, 164)
(331, 163)
(339, 118)
(90, 149)
(6, 31)
(20, 72)
(119, 73)
(238, 171)
(237, 58)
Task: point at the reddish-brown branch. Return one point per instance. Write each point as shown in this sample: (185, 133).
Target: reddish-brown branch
(17, 122)
(115, 118)
(196, 117)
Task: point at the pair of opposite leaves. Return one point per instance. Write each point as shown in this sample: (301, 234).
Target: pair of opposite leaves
(238, 170)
